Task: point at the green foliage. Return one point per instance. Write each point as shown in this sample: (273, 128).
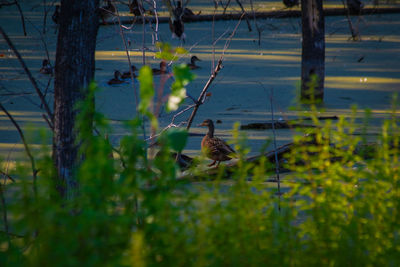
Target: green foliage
(339, 206)
(169, 53)
(176, 138)
(183, 76)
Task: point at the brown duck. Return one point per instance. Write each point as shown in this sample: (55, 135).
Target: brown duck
(116, 79)
(46, 67)
(127, 74)
(161, 70)
(192, 65)
(216, 149)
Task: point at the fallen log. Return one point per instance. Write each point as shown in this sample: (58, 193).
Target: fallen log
(262, 15)
(365, 150)
(282, 124)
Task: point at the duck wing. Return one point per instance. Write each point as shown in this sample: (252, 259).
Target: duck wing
(219, 146)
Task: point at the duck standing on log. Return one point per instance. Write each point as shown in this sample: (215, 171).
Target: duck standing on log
(175, 20)
(216, 149)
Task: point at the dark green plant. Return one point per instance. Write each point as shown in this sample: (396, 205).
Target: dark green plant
(340, 206)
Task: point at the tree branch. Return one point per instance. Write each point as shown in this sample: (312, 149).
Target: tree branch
(27, 71)
(27, 150)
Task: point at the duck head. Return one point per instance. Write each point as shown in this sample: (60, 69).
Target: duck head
(208, 123)
(193, 59)
(117, 74)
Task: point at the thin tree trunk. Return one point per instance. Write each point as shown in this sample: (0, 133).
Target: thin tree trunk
(74, 70)
(313, 50)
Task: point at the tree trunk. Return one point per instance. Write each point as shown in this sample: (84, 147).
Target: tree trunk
(313, 51)
(74, 69)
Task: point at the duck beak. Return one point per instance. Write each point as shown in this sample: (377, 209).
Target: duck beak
(201, 124)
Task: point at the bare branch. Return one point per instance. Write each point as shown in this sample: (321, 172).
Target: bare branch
(7, 175)
(212, 77)
(22, 16)
(27, 150)
(27, 71)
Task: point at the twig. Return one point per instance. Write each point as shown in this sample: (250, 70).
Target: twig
(276, 154)
(354, 33)
(245, 15)
(255, 22)
(5, 217)
(129, 58)
(43, 40)
(7, 176)
(22, 16)
(27, 150)
(212, 77)
(27, 71)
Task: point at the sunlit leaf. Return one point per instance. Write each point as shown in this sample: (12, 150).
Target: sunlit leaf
(177, 138)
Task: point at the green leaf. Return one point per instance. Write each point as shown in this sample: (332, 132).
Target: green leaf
(147, 94)
(146, 88)
(177, 138)
(182, 76)
(168, 53)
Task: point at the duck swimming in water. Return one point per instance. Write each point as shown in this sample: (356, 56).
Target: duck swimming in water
(161, 70)
(127, 74)
(46, 67)
(116, 79)
(192, 65)
(216, 149)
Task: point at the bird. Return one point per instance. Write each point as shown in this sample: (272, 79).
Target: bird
(107, 11)
(127, 74)
(137, 9)
(134, 8)
(188, 14)
(192, 65)
(290, 3)
(46, 67)
(175, 20)
(116, 79)
(161, 70)
(56, 15)
(215, 148)
(355, 6)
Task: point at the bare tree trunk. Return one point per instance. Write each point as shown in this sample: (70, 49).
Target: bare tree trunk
(313, 50)
(74, 69)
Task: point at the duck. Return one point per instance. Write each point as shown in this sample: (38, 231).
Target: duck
(116, 79)
(175, 20)
(290, 3)
(56, 15)
(192, 65)
(137, 9)
(127, 74)
(46, 67)
(355, 6)
(215, 148)
(107, 11)
(188, 14)
(161, 70)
